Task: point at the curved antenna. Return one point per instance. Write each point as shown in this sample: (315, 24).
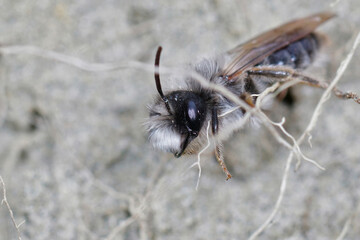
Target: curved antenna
(157, 72)
(157, 79)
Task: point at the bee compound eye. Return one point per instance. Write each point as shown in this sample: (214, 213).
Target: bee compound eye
(192, 111)
(193, 117)
(189, 112)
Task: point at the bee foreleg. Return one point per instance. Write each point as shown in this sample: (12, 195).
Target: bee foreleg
(214, 121)
(220, 159)
(285, 74)
(218, 153)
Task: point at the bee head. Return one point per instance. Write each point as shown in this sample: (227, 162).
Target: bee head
(173, 129)
(175, 119)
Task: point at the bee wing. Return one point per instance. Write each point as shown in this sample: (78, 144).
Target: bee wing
(257, 49)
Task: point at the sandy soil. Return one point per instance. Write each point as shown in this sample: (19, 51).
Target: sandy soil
(74, 152)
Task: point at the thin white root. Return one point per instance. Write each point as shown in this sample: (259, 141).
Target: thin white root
(72, 61)
(344, 64)
(5, 201)
(198, 162)
(347, 224)
(345, 229)
(228, 112)
(299, 154)
(279, 200)
(265, 93)
(309, 139)
(307, 131)
(334, 3)
(123, 225)
(286, 85)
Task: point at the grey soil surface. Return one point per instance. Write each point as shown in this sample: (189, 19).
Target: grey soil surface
(74, 153)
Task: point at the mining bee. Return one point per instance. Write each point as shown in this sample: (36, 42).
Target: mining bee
(177, 118)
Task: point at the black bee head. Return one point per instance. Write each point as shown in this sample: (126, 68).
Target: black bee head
(174, 125)
(189, 111)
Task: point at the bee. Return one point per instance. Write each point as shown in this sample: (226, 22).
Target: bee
(177, 119)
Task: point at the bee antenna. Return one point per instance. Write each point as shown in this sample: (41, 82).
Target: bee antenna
(157, 78)
(157, 72)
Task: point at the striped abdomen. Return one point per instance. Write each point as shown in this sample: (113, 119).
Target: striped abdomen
(299, 54)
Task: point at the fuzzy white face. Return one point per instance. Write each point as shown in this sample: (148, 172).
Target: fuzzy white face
(162, 132)
(164, 136)
(177, 127)
(165, 139)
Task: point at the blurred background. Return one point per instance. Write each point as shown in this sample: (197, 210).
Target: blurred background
(74, 152)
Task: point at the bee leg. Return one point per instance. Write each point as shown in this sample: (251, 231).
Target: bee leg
(285, 96)
(218, 153)
(249, 89)
(285, 74)
(214, 121)
(347, 95)
(248, 99)
(220, 158)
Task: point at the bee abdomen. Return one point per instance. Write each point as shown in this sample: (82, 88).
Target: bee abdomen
(299, 54)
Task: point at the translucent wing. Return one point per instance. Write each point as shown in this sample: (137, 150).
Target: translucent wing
(257, 49)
